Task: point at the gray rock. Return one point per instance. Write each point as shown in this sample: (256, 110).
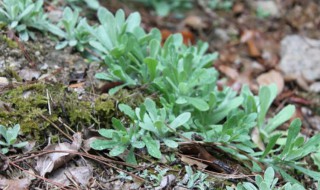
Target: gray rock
(300, 56)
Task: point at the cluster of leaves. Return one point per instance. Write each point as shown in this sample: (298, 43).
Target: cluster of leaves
(183, 78)
(165, 7)
(149, 127)
(10, 135)
(23, 15)
(190, 102)
(76, 4)
(268, 182)
(76, 31)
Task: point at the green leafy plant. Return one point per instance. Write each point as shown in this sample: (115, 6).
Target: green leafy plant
(261, 13)
(183, 78)
(221, 4)
(196, 180)
(165, 7)
(23, 15)
(149, 128)
(77, 4)
(268, 182)
(76, 33)
(10, 135)
(119, 140)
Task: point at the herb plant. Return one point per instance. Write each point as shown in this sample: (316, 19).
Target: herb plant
(23, 15)
(149, 127)
(268, 182)
(183, 78)
(10, 135)
(76, 33)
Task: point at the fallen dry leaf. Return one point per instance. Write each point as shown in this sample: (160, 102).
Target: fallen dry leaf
(188, 37)
(49, 162)
(15, 184)
(249, 37)
(195, 22)
(193, 162)
(80, 175)
(229, 72)
(166, 182)
(272, 77)
(253, 49)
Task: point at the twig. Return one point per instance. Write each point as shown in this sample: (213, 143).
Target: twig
(48, 98)
(55, 126)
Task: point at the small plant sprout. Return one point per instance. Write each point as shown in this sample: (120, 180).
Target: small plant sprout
(10, 135)
(76, 31)
(268, 182)
(22, 15)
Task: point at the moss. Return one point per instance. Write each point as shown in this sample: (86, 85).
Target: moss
(11, 43)
(30, 101)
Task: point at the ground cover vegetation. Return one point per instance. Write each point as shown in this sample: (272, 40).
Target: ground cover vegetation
(181, 101)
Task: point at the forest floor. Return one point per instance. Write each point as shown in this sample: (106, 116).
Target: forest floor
(51, 93)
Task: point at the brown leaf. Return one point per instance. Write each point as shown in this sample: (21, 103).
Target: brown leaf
(15, 184)
(195, 22)
(229, 72)
(253, 49)
(192, 162)
(271, 77)
(166, 182)
(49, 162)
(81, 175)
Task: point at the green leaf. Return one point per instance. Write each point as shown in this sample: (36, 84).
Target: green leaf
(249, 186)
(133, 21)
(293, 132)
(151, 108)
(56, 30)
(131, 158)
(108, 133)
(154, 48)
(170, 143)
(61, 45)
(124, 108)
(272, 142)
(284, 115)
(223, 111)
(104, 76)
(152, 67)
(152, 146)
(266, 96)
(118, 125)
(138, 144)
(20, 145)
(103, 144)
(162, 8)
(117, 150)
(312, 174)
(4, 150)
(180, 120)
(269, 176)
(198, 103)
(4, 143)
(3, 130)
(25, 12)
